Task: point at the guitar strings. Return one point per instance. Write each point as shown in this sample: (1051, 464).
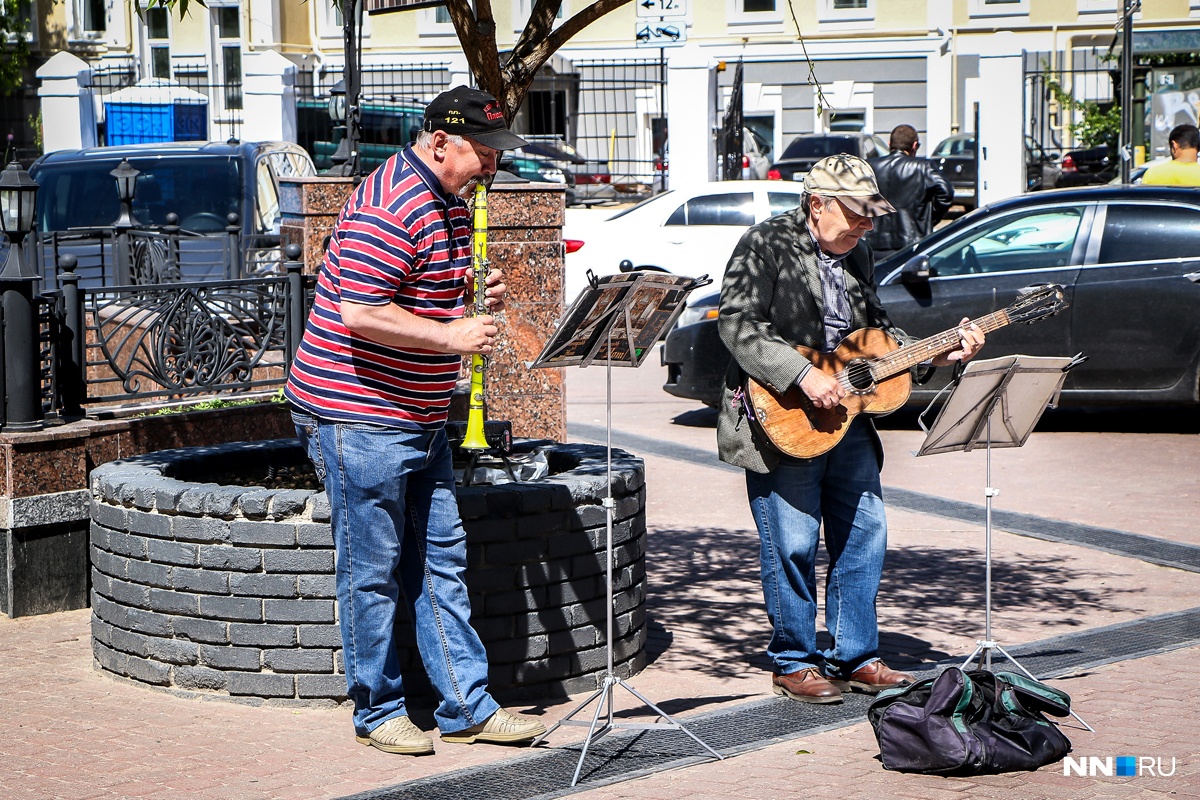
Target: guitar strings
(906, 357)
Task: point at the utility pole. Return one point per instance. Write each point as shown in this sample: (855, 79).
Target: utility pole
(1126, 99)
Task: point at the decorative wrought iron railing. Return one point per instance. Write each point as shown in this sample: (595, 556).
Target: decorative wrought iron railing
(99, 346)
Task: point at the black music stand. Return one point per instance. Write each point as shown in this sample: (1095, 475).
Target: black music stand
(638, 306)
(1014, 391)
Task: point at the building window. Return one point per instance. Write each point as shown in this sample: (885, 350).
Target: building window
(158, 41)
(1099, 6)
(227, 47)
(434, 22)
(998, 8)
(87, 19)
(522, 10)
(846, 10)
(764, 14)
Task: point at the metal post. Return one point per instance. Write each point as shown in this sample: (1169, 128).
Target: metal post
(662, 112)
(233, 264)
(295, 300)
(72, 354)
(22, 373)
(1126, 148)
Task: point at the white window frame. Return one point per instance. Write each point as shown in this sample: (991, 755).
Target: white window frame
(147, 45)
(754, 21)
(981, 8)
(829, 13)
(74, 11)
(523, 8)
(427, 24)
(216, 57)
(1100, 6)
(32, 26)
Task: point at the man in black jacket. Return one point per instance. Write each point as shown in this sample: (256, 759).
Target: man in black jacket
(919, 193)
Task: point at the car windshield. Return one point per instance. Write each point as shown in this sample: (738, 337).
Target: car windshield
(821, 146)
(957, 146)
(658, 198)
(201, 190)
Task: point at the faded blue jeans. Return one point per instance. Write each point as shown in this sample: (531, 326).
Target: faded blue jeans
(399, 539)
(840, 488)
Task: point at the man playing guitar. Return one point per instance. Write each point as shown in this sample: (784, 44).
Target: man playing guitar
(806, 279)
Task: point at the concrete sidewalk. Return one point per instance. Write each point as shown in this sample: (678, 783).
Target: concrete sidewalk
(77, 733)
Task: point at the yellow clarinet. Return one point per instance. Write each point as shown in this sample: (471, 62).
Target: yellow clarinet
(475, 439)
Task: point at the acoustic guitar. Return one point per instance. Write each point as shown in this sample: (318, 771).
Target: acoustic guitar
(874, 370)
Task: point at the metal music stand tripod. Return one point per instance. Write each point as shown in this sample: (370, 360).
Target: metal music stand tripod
(1012, 392)
(617, 319)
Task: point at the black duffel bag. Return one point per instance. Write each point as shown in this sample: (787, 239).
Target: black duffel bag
(970, 723)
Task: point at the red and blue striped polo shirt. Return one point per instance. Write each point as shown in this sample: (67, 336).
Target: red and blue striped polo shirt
(399, 239)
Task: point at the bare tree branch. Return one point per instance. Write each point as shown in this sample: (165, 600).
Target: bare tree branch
(538, 27)
(532, 51)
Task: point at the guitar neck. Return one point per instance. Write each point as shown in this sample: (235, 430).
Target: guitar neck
(910, 355)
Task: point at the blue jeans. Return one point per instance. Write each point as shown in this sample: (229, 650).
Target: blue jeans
(399, 538)
(842, 489)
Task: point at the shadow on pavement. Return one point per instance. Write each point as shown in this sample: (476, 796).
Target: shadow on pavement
(706, 605)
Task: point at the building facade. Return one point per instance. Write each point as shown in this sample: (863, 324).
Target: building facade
(648, 73)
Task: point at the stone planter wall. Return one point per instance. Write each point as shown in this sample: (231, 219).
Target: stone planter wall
(229, 590)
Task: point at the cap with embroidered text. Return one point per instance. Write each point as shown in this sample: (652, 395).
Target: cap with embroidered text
(470, 112)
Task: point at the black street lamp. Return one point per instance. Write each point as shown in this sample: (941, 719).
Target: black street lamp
(345, 94)
(126, 176)
(18, 196)
(337, 113)
(20, 400)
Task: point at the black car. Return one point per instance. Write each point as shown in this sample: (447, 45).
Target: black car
(200, 183)
(954, 157)
(1128, 258)
(809, 148)
(1089, 166)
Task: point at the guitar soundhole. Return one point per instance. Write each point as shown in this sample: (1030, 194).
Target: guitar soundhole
(858, 373)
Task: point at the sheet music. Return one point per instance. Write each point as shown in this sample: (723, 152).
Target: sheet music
(637, 306)
(1022, 386)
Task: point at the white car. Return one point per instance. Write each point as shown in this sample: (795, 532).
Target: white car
(690, 231)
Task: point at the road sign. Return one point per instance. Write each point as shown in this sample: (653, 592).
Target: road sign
(660, 33)
(657, 9)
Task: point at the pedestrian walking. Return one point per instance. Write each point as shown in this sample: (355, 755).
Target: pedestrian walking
(806, 278)
(919, 193)
(1182, 169)
(370, 389)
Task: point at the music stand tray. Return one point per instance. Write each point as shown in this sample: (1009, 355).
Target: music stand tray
(997, 403)
(617, 319)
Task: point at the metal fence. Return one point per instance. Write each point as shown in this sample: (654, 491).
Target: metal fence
(110, 346)
(1056, 86)
(392, 101)
(213, 113)
(19, 112)
(620, 117)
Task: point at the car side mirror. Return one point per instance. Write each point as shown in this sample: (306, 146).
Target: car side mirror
(916, 270)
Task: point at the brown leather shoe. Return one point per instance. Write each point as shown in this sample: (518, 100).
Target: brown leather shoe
(807, 686)
(872, 678)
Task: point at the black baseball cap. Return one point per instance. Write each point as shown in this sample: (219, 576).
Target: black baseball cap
(470, 112)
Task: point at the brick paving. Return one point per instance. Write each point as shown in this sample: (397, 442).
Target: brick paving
(74, 732)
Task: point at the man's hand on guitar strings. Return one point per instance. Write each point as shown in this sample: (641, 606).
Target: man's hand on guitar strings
(971, 338)
(823, 390)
